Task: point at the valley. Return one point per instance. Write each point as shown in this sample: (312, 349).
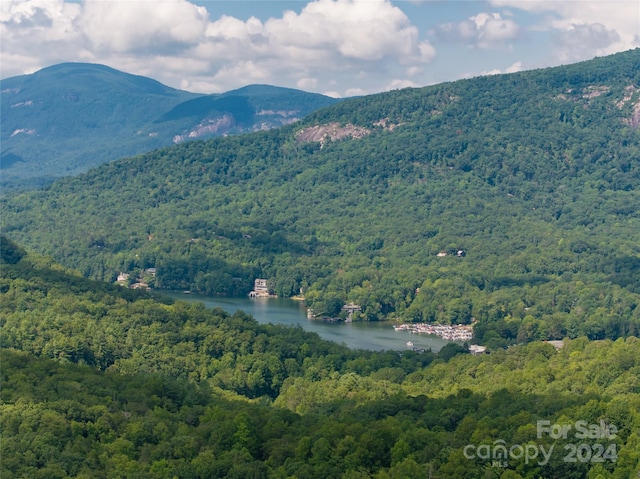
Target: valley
(500, 211)
(103, 381)
(537, 189)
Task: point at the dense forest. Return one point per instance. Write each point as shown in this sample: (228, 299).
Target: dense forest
(100, 381)
(509, 199)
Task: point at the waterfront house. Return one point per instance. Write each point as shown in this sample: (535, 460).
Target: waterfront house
(260, 289)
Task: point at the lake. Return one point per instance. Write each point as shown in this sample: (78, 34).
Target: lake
(376, 336)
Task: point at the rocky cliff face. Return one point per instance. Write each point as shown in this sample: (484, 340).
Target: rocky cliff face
(228, 125)
(211, 126)
(331, 132)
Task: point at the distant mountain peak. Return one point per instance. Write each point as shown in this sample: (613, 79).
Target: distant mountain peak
(69, 117)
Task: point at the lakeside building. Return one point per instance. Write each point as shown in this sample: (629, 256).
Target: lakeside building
(260, 289)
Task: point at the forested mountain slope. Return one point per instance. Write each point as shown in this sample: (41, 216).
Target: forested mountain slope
(101, 381)
(66, 118)
(532, 177)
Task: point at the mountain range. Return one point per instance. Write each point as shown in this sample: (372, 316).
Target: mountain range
(66, 118)
(509, 201)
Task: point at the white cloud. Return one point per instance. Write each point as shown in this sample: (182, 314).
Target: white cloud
(178, 43)
(230, 28)
(36, 33)
(427, 51)
(398, 84)
(143, 25)
(484, 30)
(307, 83)
(361, 30)
(580, 42)
(414, 70)
(585, 28)
(340, 46)
(334, 94)
(513, 68)
(351, 92)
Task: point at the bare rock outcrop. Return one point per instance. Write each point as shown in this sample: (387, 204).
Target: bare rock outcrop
(331, 132)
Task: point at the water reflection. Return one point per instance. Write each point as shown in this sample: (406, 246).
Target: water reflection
(376, 336)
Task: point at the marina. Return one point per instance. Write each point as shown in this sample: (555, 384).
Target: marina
(450, 332)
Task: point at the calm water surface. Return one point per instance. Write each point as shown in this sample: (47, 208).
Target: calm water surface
(375, 336)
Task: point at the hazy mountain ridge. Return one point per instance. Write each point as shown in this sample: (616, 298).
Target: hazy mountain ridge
(69, 117)
(532, 175)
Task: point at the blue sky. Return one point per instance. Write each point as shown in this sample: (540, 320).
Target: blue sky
(336, 47)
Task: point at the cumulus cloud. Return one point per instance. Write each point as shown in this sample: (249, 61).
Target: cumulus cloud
(484, 30)
(55, 17)
(36, 33)
(513, 68)
(349, 92)
(579, 42)
(177, 42)
(585, 28)
(142, 25)
(398, 84)
(367, 31)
